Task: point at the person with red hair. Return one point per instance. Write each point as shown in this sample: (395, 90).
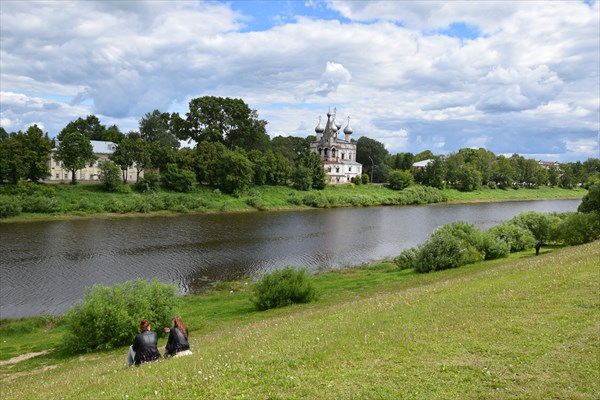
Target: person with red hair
(145, 345)
(177, 344)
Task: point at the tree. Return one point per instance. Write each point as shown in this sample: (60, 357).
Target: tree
(158, 127)
(372, 153)
(110, 175)
(209, 156)
(236, 172)
(291, 147)
(12, 157)
(228, 121)
(433, 174)
(90, 127)
(309, 172)
(125, 154)
(503, 172)
(469, 178)
(402, 161)
(36, 154)
(75, 151)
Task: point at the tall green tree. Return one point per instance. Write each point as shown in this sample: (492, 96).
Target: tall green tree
(292, 147)
(126, 154)
(309, 172)
(433, 174)
(157, 127)
(37, 147)
(75, 151)
(372, 154)
(228, 121)
(12, 157)
(89, 126)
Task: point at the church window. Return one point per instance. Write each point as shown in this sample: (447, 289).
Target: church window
(337, 169)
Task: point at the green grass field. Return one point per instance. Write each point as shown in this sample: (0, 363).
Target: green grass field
(520, 328)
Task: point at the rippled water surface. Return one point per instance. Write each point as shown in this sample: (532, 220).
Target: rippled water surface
(45, 266)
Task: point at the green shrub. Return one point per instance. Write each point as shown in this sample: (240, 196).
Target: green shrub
(516, 237)
(365, 179)
(450, 246)
(109, 317)
(40, 204)
(148, 183)
(542, 226)
(591, 201)
(579, 228)
(407, 259)
(282, 288)
(110, 175)
(494, 247)
(10, 206)
(398, 179)
(123, 188)
(179, 180)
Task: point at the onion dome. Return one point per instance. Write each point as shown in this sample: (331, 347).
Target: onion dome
(338, 125)
(347, 129)
(319, 128)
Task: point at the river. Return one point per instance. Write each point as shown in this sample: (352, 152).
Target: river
(45, 266)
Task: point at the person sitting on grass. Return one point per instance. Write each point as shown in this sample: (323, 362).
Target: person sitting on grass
(144, 346)
(177, 344)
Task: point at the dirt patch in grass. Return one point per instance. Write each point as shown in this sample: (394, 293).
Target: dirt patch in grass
(23, 357)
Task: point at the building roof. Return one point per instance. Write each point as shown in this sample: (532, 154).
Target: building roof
(102, 147)
(422, 164)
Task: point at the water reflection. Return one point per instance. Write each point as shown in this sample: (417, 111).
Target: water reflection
(45, 266)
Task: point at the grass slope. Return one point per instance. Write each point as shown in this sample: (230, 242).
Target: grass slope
(518, 328)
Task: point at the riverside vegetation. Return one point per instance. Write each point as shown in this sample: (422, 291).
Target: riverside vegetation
(522, 327)
(368, 326)
(28, 201)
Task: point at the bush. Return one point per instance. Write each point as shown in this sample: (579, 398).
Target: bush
(398, 180)
(39, 204)
(109, 317)
(591, 201)
(516, 237)
(9, 206)
(494, 247)
(110, 175)
(542, 226)
(365, 179)
(282, 288)
(579, 228)
(450, 246)
(149, 183)
(407, 259)
(179, 180)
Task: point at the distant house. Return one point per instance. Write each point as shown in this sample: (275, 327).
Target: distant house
(338, 155)
(102, 150)
(549, 164)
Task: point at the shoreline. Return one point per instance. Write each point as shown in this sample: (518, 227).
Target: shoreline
(167, 213)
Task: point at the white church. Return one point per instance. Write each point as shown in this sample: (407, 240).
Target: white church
(338, 155)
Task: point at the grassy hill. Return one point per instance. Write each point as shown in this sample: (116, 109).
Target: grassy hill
(525, 327)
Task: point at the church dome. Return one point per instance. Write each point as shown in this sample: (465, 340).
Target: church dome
(319, 128)
(348, 130)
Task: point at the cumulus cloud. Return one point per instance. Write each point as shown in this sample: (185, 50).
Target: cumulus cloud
(334, 75)
(393, 66)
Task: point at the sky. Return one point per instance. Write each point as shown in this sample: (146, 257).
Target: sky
(509, 76)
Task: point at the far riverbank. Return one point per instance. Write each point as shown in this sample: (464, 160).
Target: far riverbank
(63, 202)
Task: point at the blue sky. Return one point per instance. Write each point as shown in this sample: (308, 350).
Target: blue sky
(414, 75)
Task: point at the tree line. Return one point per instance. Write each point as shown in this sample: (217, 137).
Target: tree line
(232, 151)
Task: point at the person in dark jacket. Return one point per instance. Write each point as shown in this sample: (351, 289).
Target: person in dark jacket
(177, 344)
(145, 344)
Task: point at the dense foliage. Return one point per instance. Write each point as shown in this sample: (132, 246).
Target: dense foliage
(281, 288)
(459, 243)
(109, 317)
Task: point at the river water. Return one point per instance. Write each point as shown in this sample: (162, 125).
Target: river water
(45, 266)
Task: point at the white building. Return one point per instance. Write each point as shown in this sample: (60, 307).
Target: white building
(102, 150)
(338, 155)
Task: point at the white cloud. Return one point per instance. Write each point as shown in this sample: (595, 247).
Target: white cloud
(532, 71)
